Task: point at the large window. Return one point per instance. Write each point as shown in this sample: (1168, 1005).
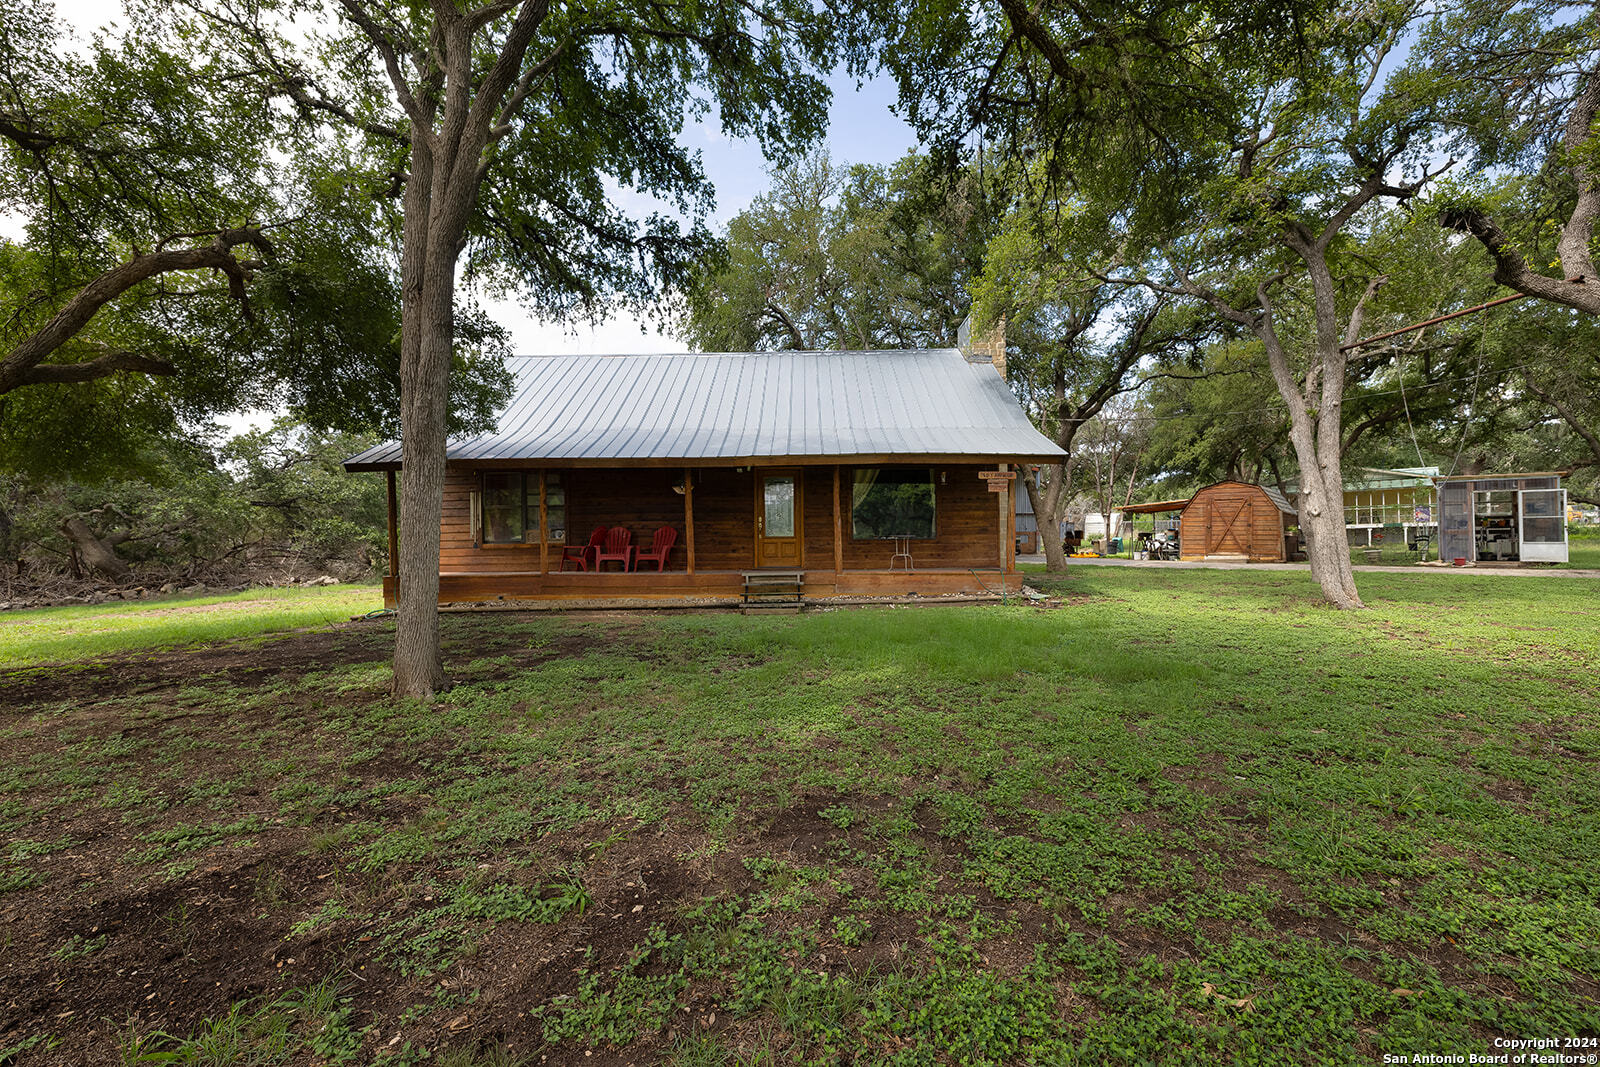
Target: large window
(887, 502)
(510, 507)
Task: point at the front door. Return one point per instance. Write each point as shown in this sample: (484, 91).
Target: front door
(1228, 528)
(777, 517)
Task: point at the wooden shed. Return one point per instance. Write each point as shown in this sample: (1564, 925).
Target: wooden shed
(1238, 520)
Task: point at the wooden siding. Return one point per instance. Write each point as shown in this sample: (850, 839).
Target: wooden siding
(817, 500)
(967, 534)
(724, 519)
(639, 498)
(1233, 519)
(966, 526)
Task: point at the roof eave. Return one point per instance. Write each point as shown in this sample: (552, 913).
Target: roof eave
(355, 465)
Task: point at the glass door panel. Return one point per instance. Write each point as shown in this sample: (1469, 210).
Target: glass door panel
(777, 504)
(778, 519)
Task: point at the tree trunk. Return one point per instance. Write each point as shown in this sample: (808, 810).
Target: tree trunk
(1327, 547)
(94, 550)
(447, 166)
(1046, 515)
(1315, 425)
(427, 304)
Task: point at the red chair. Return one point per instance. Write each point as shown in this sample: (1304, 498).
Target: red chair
(665, 538)
(584, 556)
(618, 546)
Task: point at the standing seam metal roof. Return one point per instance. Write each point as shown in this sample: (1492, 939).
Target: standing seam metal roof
(750, 405)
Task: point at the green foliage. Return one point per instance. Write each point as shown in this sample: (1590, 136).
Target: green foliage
(838, 257)
(133, 143)
(1092, 86)
(260, 1032)
(270, 497)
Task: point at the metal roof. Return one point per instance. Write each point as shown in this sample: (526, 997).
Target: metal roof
(1280, 500)
(1485, 476)
(750, 406)
(1155, 506)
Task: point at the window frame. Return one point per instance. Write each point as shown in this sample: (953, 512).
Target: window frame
(531, 510)
(933, 487)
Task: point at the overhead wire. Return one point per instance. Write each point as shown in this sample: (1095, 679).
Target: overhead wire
(1472, 408)
(1278, 404)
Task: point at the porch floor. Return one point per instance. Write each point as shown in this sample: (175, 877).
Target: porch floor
(615, 587)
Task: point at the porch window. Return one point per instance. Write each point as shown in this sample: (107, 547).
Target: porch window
(510, 507)
(888, 502)
(555, 505)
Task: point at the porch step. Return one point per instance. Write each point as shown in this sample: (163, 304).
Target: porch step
(772, 607)
(772, 590)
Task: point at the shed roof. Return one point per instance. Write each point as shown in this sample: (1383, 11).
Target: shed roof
(1277, 498)
(795, 406)
(1155, 506)
(1485, 476)
(1280, 500)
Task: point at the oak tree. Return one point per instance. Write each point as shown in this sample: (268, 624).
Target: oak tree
(497, 126)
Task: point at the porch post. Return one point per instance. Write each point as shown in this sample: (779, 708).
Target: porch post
(1003, 499)
(394, 529)
(838, 528)
(1011, 524)
(544, 528)
(688, 515)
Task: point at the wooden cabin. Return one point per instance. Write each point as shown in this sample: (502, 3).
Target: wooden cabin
(1238, 520)
(856, 473)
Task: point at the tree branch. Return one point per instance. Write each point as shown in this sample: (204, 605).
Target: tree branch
(421, 122)
(1512, 270)
(101, 367)
(26, 357)
(1561, 408)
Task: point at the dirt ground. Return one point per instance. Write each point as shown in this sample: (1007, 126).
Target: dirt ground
(177, 953)
(616, 817)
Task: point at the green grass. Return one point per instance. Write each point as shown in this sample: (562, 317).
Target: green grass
(1583, 549)
(1188, 817)
(54, 635)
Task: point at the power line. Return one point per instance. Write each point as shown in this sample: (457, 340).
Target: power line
(1278, 403)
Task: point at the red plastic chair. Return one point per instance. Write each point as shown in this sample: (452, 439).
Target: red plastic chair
(584, 556)
(665, 538)
(618, 546)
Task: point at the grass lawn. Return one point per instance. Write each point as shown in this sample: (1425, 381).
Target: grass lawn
(1583, 551)
(49, 635)
(1184, 817)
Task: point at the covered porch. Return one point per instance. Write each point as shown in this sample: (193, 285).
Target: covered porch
(869, 528)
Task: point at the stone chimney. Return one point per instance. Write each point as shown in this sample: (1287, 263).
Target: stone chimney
(988, 347)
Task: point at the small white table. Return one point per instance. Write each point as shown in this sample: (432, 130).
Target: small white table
(902, 550)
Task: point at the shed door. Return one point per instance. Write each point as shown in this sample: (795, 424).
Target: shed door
(1544, 525)
(1228, 526)
(778, 518)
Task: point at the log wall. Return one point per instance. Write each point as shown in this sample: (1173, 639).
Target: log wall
(642, 498)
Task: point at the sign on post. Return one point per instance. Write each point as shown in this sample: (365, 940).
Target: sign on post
(998, 480)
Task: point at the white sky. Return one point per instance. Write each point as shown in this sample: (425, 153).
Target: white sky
(863, 129)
